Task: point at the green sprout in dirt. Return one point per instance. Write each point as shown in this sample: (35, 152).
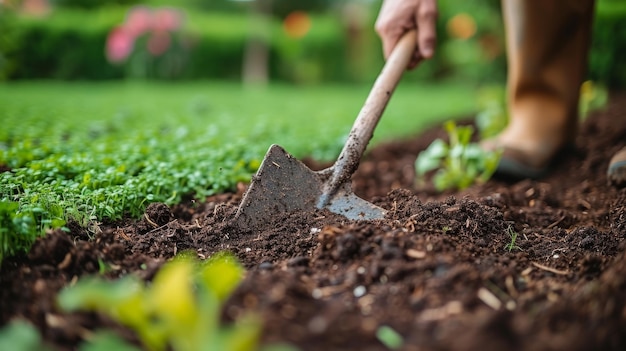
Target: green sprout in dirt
(20, 335)
(513, 235)
(460, 163)
(593, 96)
(389, 337)
(180, 310)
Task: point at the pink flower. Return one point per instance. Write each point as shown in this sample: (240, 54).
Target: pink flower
(156, 25)
(37, 8)
(158, 42)
(167, 19)
(139, 20)
(119, 44)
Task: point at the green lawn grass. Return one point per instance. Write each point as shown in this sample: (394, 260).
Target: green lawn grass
(95, 151)
(285, 114)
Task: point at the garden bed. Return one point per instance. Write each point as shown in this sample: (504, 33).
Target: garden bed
(515, 265)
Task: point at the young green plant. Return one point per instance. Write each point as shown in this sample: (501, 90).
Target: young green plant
(459, 163)
(389, 337)
(19, 335)
(513, 235)
(593, 96)
(180, 310)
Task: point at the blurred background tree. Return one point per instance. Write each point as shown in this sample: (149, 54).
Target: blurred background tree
(302, 42)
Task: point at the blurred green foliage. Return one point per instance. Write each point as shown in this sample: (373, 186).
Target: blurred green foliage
(492, 116)
(20, 335)
(479, 57)
(19, 229)
(277, 8)
(179, 310)
(608, 59)
(91, 4)
(65, 46)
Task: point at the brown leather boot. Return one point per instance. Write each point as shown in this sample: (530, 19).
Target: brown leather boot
(547, 46)
(617, 169)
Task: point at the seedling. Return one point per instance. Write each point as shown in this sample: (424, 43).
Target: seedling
(179, 310)
(460, 163)
(107, 340)
(593, 96)
(21, 336)
(513, 234)
(103, 267)
(389, 337)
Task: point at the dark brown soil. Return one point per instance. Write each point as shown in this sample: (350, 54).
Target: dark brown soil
(437, 269)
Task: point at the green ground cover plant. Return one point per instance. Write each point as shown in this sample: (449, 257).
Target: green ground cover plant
(88, 152)
(18, 229)
(180, 309)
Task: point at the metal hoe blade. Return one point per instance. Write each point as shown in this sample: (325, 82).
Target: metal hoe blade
(284, 184)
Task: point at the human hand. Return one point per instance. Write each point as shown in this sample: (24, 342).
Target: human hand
(396, 17)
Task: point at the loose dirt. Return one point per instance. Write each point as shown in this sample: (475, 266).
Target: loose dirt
(443, 270)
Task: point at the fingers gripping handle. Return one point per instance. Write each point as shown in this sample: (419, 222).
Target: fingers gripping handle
(367, 119)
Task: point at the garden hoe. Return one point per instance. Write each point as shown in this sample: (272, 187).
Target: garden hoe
(284, 184)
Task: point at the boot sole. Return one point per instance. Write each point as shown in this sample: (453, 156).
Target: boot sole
(512, 169)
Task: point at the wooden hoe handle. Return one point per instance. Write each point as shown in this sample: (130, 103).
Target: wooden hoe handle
(363, 128)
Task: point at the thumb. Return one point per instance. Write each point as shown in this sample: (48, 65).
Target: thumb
(389, 42)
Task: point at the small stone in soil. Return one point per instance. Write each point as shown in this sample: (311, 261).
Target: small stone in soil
(359, 291)
(266, 265)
